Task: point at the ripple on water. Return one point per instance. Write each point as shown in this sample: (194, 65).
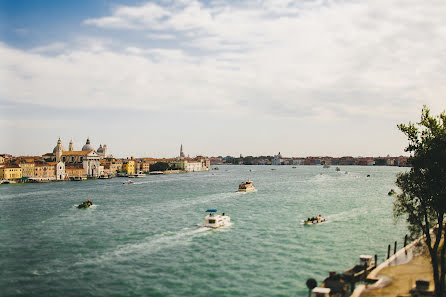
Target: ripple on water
(144, 239)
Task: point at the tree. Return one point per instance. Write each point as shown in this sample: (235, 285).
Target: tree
(159, 166)
(423, 197)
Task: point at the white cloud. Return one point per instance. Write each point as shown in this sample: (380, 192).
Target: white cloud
(281, 58)
(161, 36)
(53, 47)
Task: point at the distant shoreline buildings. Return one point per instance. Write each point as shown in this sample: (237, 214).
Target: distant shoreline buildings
(278, 159)
(89, 163)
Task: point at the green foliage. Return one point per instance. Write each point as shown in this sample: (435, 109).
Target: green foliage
(423, 197)
(159, 166)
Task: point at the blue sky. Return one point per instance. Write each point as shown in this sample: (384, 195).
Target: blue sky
(222, 77)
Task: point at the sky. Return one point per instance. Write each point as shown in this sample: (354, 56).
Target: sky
(304, 78)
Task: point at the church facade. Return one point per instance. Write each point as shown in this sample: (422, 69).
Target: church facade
(88, 158)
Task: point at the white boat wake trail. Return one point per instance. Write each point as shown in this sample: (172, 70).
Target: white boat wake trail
(156, 243)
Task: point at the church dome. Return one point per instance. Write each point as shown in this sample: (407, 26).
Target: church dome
(59, 145)
(87, 146)
(100, 149)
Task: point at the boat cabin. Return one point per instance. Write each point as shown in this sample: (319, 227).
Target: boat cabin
(215, 220)
(321, 292)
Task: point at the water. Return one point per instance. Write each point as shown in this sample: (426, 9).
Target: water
(145, 240)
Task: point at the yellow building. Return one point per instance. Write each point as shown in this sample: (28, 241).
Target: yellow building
(10, 172)
(27, 169)
(128, 166)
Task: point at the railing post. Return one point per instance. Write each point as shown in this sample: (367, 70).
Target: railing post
(394, 248)
(388, 251)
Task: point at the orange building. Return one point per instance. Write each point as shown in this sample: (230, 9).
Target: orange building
(45, 171)
(75, 171)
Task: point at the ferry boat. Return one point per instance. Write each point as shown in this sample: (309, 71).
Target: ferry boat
(215, 220)
(314, 220)
(246, 186)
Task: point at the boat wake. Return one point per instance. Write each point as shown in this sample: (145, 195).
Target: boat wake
(347, 215)
(92, 206)
(224, 228)
(155, 244)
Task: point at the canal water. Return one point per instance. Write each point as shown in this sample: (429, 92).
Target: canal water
(145, 239)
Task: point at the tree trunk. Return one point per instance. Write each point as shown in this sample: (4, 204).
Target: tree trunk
(442, 265)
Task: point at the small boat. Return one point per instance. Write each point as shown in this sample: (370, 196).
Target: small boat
(216, 220)
(314, 220)
(128, 182)
(391, 192)
(294, 167)
(360, 271)
(156, 172)
(246, 186)
(140, 175)
(122, 174)
(85, 204)
(338, 169)
(326, 166)
(104, 177)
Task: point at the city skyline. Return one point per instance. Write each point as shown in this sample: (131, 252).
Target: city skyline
(321, 78)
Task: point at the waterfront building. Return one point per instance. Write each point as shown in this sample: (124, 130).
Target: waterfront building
(75, 171)
(60, 171)
(128, 166)
(141, 166)
(347, 160)
(115, 166)
(298, 162)
(10, 172)
(192, 165)
(45, 171)
(277, 160)
(87, 157)
(27, 169)
(2, 159)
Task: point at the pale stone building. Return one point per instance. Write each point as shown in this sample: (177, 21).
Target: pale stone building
(87, 157)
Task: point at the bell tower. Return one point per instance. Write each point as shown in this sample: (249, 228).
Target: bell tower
(181, 151)
(59, 151)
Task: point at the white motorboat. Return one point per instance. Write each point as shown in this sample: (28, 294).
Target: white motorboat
(216, 220)
(314, 220)
(247, 186)
(140, 174)
(128, 182)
